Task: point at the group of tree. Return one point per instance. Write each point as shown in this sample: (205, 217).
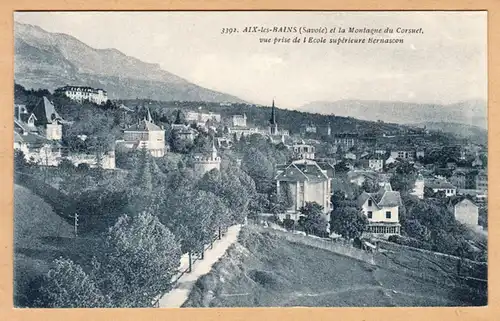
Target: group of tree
(430, 222)
(138, 258)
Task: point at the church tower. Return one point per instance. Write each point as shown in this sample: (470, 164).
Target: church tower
(273, 125)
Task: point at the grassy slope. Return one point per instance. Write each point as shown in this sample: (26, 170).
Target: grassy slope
(40, 236)
(263, 269)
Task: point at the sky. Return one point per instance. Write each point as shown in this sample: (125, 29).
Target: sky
(445, 64)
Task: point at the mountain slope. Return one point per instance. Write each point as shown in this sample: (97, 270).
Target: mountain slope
(471, 112)
(49, 60)
(475, 134)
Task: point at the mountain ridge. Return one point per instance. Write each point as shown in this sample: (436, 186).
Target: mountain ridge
(49, 60)
(469, 112)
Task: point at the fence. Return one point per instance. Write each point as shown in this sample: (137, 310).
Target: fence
(184, 265)
(468, 268)
(439, 268)
(339, 247)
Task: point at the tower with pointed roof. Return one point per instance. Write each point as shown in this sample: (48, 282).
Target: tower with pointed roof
(273, 125)
(46, 116)
(205, 163)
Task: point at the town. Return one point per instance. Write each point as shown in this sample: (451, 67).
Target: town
(199, 168)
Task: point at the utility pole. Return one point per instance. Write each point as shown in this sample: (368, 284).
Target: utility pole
(76, 224)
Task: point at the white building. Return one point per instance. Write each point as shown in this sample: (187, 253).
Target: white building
(84, 93)
(405, 154)
(307, 181)
(350, 155)
(204, 163)
(304, 150)
(145, 134)
(465, 211)
(418, 189)
(37, 149)
(196, 117)
(106, 160)
(376, 163)
(310, 128)
(185, 132)
(440, 185)
(239, 120)
(382, 211)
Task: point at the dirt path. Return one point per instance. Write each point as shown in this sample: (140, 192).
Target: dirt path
(179, 294)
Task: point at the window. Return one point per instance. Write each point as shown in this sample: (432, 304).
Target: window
(388, 214)
(369, 202)
(370, 214)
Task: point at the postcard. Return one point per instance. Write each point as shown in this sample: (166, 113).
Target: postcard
(170, 159)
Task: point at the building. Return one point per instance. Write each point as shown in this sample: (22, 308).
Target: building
(358, 177)
(106, 160)
(47, 119)
(310, 128)
(306, 181)
(185, 132)
(482, 180)
(205, 163)
(350, 155)
(390, 160)
(276, 136)
(303, 150)
(440, 185)
(37, 149)
(144, 134)
(459, 179)
(83, 93)
(376, 163)
(405, 154)
(464, 210)
(346, 141)
(245, 131)
(199, 117)
(43, 121)
(418, 189)
(239, 120)
(478, 163)
(382, 211)
(420, 153)
(224, 143)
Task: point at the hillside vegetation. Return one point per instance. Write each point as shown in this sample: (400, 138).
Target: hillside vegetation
(40, 236)
(264, 269)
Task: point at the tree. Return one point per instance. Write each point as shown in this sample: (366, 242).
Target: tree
(285, 197)
(141, 258)
(66, 285)
(348, 222)
(260, 169)
(337, 198)
(414, 228)
(289, 224)
(370, 186)
(180, 118)
(20, 163)
(313, 221)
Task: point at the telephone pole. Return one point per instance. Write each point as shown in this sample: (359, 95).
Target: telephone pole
(76, 224)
